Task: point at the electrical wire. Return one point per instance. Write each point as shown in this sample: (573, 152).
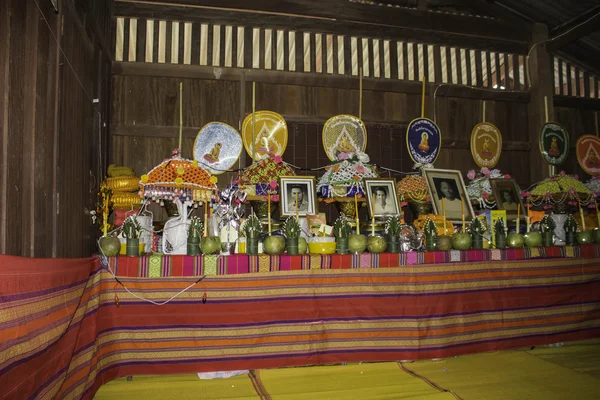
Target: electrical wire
(106, 265)
(551, 40)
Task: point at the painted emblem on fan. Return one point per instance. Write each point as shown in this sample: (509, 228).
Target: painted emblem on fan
(270, 135)
(344, 134)
(554, 143)
(588, 154)
(486, 144)
(423, 140)
(217, 147)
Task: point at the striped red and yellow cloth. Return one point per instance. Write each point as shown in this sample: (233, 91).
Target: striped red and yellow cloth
(68, 326)
(157, 264)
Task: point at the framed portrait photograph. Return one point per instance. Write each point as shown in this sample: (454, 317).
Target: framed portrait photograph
(297, 192)
(507, 195)
(381, 196)
(448, 184)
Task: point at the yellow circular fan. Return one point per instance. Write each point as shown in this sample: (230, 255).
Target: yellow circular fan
(270, 135)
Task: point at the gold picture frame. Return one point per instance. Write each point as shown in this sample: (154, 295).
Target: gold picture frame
(507, 194)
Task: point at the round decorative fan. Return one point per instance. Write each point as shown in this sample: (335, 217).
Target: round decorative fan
(217, 147)
(270, 135)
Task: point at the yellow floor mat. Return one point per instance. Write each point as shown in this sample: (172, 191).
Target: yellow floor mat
(581, 356)
(180, 387)
(348, 382)
(507, 375)
(548, 373)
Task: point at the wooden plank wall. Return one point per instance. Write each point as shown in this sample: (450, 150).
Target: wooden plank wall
(145, 119)
(578, 122)
(53, 65)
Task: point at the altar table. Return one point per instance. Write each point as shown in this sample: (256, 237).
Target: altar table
(157, 264)
(68, 326)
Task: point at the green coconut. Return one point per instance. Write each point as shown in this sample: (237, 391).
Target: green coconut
(444, 242)
(461, 241)
(533, 239)
(274, 245)
(584, 237)
(357, 243)
(210, 245)
(376, 244)
(515, 240)
(302, 246)
(110, 246)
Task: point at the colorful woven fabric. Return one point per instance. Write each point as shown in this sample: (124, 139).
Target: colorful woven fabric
(63, 333)
(157, 265)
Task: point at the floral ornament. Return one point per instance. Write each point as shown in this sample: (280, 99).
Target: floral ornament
(343, 156)
(273, 185)
(363, 157)
(144, 178)
(180, 170)
(479, 187)
(213, 179)
(277, 159)
(195, 163)
(360, 169)
(178, 181)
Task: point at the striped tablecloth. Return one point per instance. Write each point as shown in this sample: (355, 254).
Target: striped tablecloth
(157, 264)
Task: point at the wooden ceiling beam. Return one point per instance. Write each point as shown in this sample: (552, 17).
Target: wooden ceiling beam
(576, 28)
(340, 17)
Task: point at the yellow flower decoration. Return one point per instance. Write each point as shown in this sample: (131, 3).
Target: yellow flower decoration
(145, 178)
(213, 179)
(178, 181)
(180, 170)
(195, 163)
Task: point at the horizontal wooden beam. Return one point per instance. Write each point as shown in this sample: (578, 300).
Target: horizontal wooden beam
(576, 102)
(578, 27)
(345, 18)
(506, 146)
(313, 80)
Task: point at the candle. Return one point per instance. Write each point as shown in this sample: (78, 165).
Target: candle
(205, 219)
(357, 220)
(105, 223)
(463, 213)
(269, 211)
(581, 215)
(518, 216)
(373, 216)
(296, 196)
(444, 215)
(527, 217)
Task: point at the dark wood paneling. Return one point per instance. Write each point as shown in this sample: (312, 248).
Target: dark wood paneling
(143, 101)
(578, 122)
(50, 143)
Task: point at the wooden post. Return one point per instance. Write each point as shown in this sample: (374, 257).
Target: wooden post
(540, 72)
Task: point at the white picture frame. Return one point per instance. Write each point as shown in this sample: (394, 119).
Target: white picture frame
(305, 187)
